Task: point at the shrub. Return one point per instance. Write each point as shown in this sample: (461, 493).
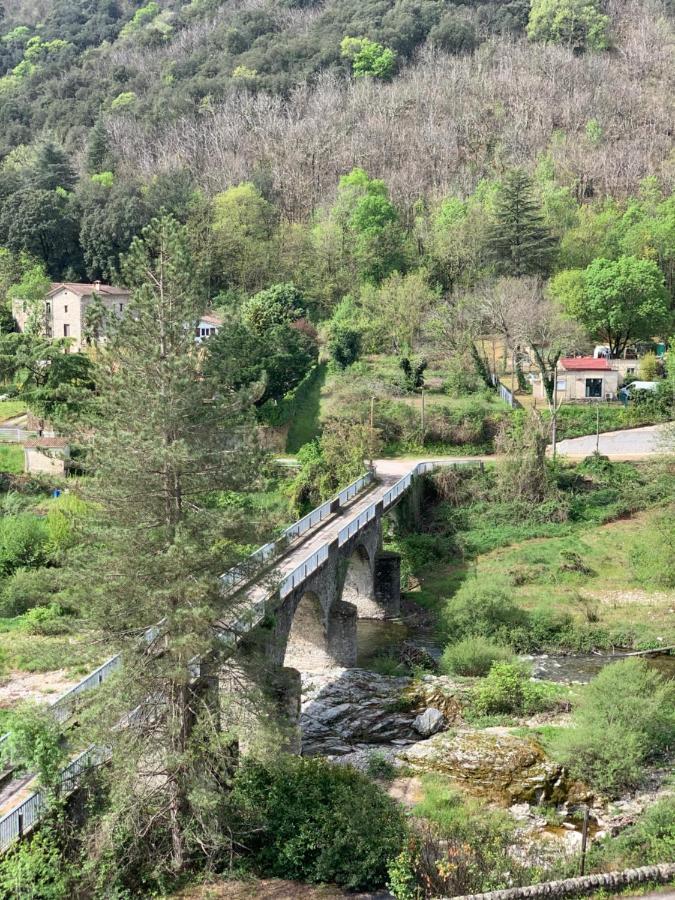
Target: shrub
(35, 868)
(25, 589)
(508, 689)
(23, 542)
(652, 557)
(473, 656)
(625, 717)
(378, 766)
(310, 820)
(465, 848)
(65, 514)
(482, 608)
(46, 620)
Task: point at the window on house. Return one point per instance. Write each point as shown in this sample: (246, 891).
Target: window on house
(121, 307)
(48, 307)
(66, 330)
(65, 308)
(594, 387)
(630, 371)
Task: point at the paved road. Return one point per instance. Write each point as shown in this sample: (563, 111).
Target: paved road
(635, 443)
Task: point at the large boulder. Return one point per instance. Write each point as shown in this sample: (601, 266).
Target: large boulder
(429, 722)
(498, 765)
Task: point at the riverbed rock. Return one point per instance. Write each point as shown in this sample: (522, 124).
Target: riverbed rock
(499, 766)
(429, 722)
(341, 711)
(345, 709)
(442, 693)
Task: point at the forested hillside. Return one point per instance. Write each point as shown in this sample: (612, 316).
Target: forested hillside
(111, 111)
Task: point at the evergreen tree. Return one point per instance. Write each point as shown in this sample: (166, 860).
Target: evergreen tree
(162, 438)
(52, 169)
(519, 242)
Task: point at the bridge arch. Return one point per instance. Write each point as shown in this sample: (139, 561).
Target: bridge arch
(359, 585)
(307, 646)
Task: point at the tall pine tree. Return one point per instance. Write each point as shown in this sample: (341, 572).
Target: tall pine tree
(519, 243)
(161, 440)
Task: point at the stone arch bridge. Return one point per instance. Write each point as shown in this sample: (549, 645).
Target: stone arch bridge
(304, 617)
(298, 601)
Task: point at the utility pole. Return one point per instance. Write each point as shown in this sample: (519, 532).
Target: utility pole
(554, 420)
(422, 415)
(513, 373)
(372, 429)
(597, 428)
(584, 840)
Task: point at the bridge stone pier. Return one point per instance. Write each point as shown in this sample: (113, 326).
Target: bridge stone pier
(315, 625)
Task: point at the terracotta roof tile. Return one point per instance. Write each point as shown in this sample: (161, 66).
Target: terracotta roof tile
(82, 289)
(585, 364)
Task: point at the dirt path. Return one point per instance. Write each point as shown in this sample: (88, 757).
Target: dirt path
(42, 687)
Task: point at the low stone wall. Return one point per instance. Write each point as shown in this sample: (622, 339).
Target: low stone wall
(588, 884)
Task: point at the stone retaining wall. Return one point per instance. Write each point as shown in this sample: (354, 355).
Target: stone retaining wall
(588, 884)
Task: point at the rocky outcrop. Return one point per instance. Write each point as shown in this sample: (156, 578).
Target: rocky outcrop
(499, 766)
(442, 693)
(343, 711)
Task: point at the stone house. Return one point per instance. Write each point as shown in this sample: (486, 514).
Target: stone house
(47, 455)
(584, 378)
(66, 306)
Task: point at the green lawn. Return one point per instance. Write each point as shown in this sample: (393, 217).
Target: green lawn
(11, 459)
(11, 408)
(305, 424)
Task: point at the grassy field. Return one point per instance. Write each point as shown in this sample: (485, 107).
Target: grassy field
(11, 458)
(305, 425)
(599, 557)
(543, 573)
(9, 409)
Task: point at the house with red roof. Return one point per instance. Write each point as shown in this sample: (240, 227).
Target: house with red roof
(584, 378)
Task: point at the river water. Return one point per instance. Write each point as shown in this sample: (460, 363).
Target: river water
(376, 637)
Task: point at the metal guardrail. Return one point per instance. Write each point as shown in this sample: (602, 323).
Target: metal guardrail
(26, 814)
(504, 392)
(244, 570)
(19, 435)
(306, 568)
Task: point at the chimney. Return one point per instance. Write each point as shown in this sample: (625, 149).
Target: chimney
(97, 286)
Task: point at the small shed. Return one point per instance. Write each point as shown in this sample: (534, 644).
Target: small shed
(584, 378)
(46, 455)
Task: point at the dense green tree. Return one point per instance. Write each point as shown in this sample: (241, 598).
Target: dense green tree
(371, 238)
(617, 301)
(159, 440)
(52, 169)
(110, 219)
(243, 249)
(269, 363)
(579, 24)
(56, 385)
(368, 57)
(44, 224)
(454, 34)
(280, 304)
(519, 243)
